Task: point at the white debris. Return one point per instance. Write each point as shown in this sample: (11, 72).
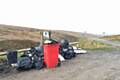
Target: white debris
(61, 58)
(78, 50)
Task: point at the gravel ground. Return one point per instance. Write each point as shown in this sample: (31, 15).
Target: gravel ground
(95, 65)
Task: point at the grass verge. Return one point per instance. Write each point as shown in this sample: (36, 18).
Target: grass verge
(89, 44)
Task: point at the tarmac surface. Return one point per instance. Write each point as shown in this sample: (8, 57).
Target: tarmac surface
(94, 65)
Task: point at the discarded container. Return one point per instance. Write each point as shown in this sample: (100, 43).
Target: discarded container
(51, 52)
(12, 57)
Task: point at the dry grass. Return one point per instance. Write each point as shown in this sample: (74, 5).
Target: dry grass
(15, 37)
(15, 44)
(22, 33)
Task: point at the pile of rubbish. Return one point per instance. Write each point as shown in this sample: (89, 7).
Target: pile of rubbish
(66, 50)
(34, 58)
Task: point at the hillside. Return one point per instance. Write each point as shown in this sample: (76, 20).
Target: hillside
(15, 37)
(112, 37)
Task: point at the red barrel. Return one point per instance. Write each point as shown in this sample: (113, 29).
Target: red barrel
(51, 52)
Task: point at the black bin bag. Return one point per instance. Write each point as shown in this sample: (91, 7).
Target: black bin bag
(24, 63)
(12, 57)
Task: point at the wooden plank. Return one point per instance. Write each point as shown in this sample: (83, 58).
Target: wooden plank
(22, 50)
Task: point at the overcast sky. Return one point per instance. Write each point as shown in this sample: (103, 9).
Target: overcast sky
(93, 16)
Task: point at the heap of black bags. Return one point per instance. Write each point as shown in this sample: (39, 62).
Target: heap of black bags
(34, 58)
(66, 50)
(31, 59)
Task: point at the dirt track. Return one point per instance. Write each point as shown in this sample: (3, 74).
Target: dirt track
(90, 66)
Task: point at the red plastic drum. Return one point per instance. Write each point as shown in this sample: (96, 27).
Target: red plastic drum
(51, 52)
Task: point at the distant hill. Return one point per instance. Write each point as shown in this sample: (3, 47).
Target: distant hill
(22, 33)
(112, 37)
(16, 37)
